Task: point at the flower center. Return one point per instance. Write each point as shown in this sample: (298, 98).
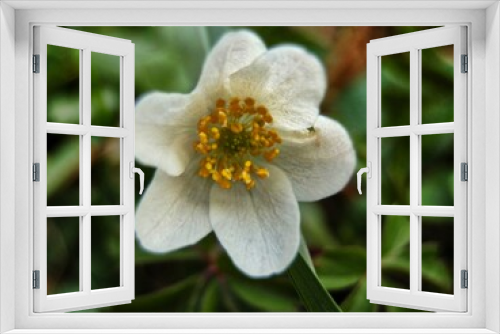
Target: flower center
(232, 139)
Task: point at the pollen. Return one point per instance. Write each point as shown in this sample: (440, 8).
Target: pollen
(234, 140)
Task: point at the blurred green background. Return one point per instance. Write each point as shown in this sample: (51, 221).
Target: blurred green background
(201, 278)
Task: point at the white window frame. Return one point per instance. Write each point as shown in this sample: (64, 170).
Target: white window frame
(483, 21)
(414, 43)
(86, 44)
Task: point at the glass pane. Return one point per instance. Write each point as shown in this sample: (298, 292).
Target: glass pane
(437, 254)
(63, 255)
(395, 89)
(437, 169)
(105, 189)
(437, 84)
(395, 251)
(105, 253)
(105, 87)
(63, 170)
(63, 85)
(395, 170)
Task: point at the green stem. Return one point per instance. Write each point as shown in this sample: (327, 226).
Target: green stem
(308, 286)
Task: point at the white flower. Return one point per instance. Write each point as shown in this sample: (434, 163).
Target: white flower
(236, 154)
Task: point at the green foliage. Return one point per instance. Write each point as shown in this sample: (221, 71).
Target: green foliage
(263, 298)
(201, 278)
(311, 291)
(341, 267)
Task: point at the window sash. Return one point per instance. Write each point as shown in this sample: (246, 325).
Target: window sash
(86, 297)
(413, 43)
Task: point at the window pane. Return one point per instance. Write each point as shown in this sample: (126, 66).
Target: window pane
(63, 85)
(437, 254)
(63, 255)
(395, 170)
(437, 169)
(105, 253)
(395, 251)
(437, 84)
(63, 170)
(395, 89)
(105, 189)
(105, 87)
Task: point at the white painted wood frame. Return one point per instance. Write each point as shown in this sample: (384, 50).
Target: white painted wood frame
(414, 43)
(85, 43)
(17, 18)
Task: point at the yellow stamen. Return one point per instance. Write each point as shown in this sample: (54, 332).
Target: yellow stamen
(203, 137)
(215, 133)
(227, 174)
(250, 185)
(236, 127)
(216, 176)
(232, 138)
(270, 155)
(225, 184)
(262, 173)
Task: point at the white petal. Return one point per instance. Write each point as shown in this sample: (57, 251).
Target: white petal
(319, 163)
(232, 52)
(289, 81)
(259, 228)
(165, 128)
(173, 212)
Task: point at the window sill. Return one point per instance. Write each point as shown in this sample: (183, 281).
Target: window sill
(248, 331)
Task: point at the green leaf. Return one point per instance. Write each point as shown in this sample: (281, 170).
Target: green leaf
(349, 108)
(396, 269)
(356, 301)
(168, 299)
(339, 282)
(304, 251)
(262, 297)
(310, 290)
(209, 301)
(340, 268)
(395, 236)
(434, 269)
(62, 165)
(314, 225)
(196, 292)
(165, 298)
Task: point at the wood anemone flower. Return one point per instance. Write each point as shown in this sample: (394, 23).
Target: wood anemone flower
(236, 154)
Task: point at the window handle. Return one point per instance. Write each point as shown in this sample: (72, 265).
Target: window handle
(368, 171)
(141, 175)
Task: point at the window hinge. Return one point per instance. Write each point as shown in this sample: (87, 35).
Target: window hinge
(36, 279)
(465, 279)
(36, 172)
(464, 171)
(36, 63)
(465, 64)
